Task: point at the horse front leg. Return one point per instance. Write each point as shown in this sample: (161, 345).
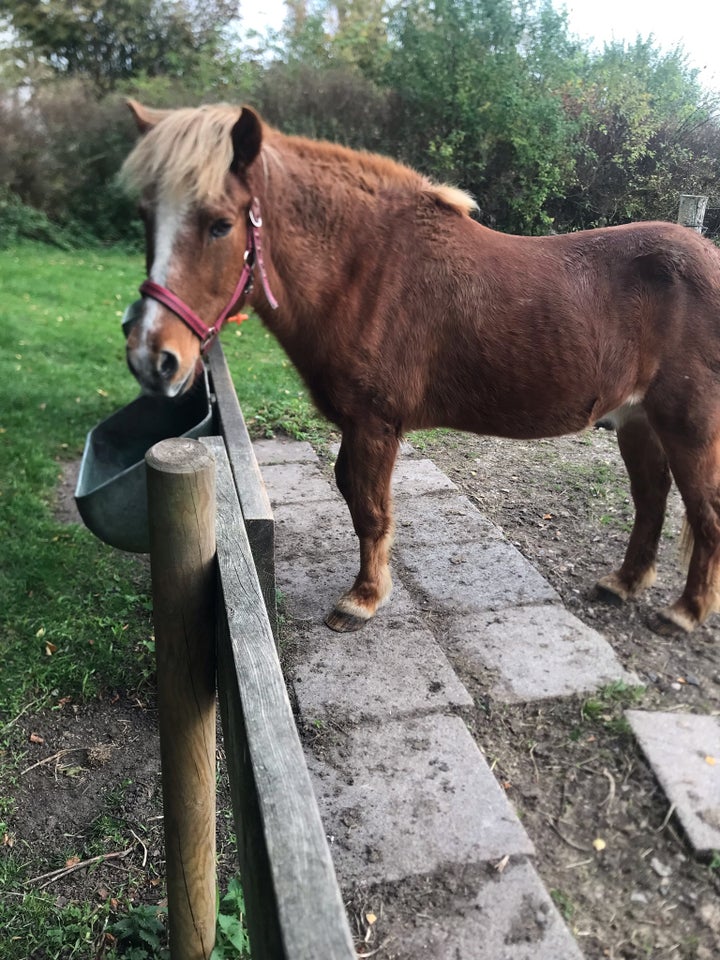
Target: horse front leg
(363, 472)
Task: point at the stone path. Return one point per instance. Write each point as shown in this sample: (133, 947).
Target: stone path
(404, 792)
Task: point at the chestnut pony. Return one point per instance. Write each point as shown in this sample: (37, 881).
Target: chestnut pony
(401, 312)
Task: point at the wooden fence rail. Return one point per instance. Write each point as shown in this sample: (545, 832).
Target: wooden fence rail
(294, 907)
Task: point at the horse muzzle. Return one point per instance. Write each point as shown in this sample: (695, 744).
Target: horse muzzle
(157, 371)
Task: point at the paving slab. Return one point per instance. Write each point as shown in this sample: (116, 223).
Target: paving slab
(310, 585)
(408, 797)
(510, 918)
(317, 527)
(684, 751)
(283, 451)
(297, 483)
(380, 673)
(429, 520)
(414, 478)
(475, 577)
(535, 652)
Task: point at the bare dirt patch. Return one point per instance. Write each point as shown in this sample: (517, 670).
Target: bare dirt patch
(86, 823)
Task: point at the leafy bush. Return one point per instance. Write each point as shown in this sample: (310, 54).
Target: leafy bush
(62, 151)
(19, 221)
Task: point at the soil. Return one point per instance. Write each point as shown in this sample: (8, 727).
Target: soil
(570, 766)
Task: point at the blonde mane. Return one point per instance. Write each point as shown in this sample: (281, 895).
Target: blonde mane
(189, 152)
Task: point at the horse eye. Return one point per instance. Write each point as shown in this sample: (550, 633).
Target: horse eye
(220, 228)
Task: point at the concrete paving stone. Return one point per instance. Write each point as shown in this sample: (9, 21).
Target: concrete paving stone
(379, 673)
(297, 483)
(473, 577)
(413, 478)
(314, 529)
(407, 797)
(684, 751)
(430, 520)
(312, 584)
(534, 652)
(283, 451)
(510, 918)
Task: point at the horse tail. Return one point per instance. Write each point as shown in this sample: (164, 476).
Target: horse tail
(686, 544)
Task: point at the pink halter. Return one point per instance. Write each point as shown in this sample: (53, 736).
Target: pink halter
(253, 257)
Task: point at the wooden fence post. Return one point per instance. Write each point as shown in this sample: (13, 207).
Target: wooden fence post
(691, 212)
(181, 512)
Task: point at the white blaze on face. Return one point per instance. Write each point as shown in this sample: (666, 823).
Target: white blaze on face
(170, 217)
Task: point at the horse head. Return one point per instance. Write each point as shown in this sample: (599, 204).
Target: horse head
(191, 169)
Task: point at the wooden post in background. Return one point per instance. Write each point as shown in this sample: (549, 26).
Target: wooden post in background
(181, 513)
(691, 212)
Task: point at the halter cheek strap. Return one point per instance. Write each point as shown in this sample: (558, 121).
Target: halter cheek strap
(253, 257)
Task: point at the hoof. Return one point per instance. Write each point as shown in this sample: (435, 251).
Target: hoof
(606, 594)
(608, 590)
(612, 589)
(671, 623)
(343, 622)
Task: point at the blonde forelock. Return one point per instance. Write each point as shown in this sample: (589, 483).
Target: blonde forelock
(187, 154)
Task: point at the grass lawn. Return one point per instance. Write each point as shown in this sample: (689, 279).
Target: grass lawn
(75, 621)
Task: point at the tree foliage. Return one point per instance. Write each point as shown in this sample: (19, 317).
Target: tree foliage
(111, 42)
(492, 95)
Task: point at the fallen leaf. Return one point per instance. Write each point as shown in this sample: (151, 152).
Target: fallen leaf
(72, 861)
(36, 738)
(41, 632)
(8, 840)
(50, 648)
(102, 393)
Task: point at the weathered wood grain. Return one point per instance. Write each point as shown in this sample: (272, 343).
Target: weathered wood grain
(254, 500)
(294, 907)
(181, 512)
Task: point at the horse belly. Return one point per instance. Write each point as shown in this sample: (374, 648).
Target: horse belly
(542, 407)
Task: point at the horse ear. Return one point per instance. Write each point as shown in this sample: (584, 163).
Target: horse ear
(145, 117)
(246, 140)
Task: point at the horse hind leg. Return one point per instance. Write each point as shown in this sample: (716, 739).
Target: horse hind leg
(647, 467)
(363, 472)
(696, 470)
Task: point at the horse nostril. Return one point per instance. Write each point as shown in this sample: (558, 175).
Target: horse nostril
(168, 365)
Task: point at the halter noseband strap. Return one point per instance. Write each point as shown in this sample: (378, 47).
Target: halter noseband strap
(253, 257)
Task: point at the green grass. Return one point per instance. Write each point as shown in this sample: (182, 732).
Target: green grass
(75, 621)
(74, 613)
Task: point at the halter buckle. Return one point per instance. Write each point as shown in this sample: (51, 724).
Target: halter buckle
(208, 338)
(255, 218)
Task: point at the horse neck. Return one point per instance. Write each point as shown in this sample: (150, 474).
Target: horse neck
(322, 206)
